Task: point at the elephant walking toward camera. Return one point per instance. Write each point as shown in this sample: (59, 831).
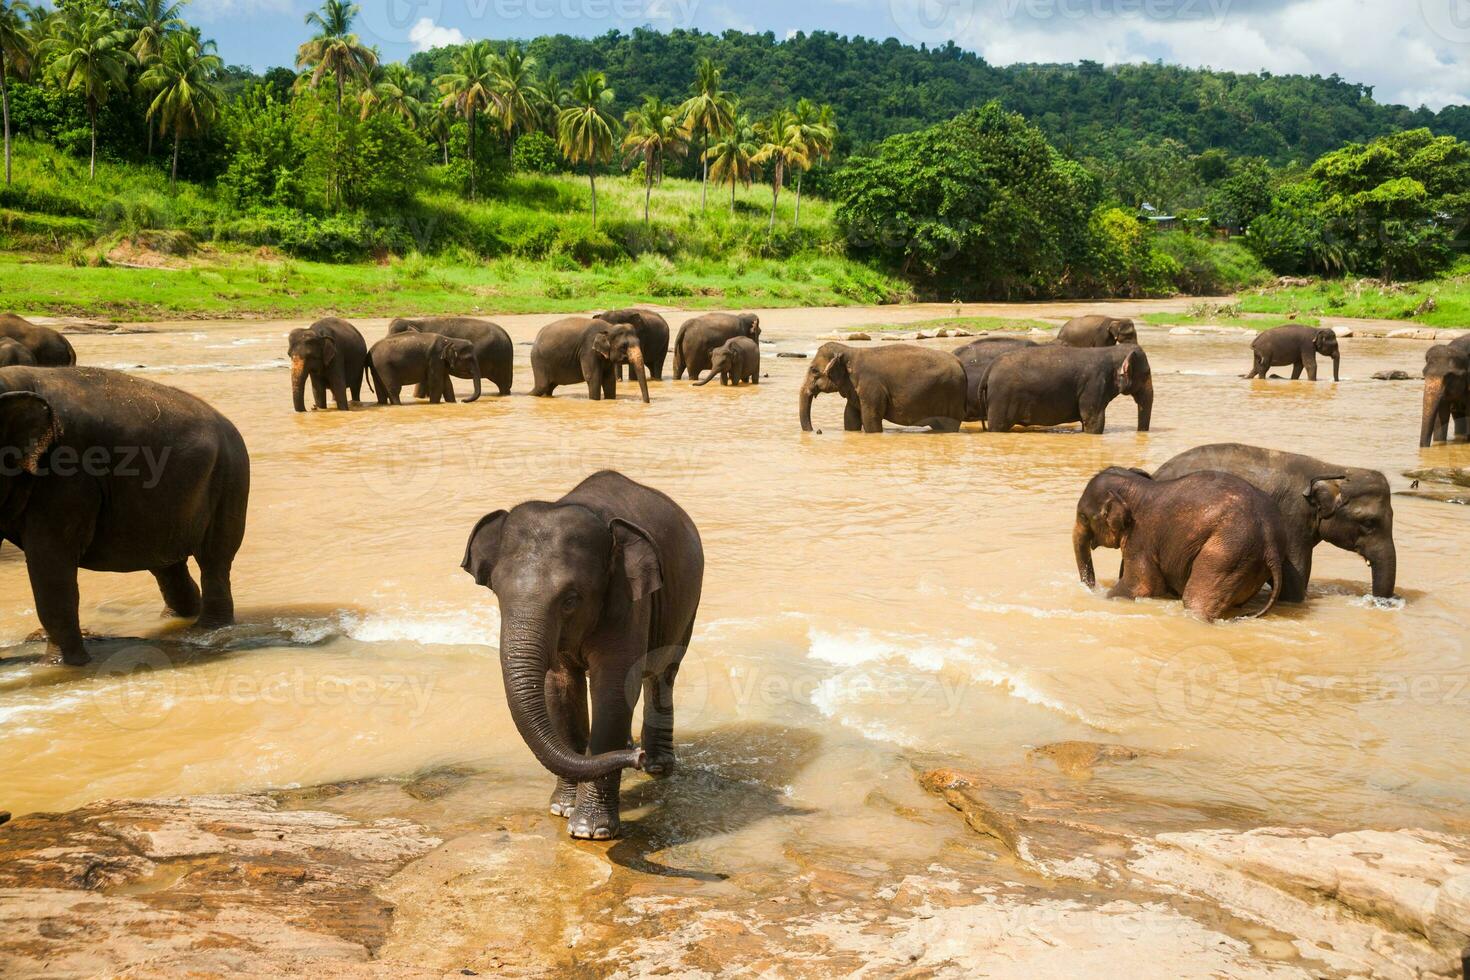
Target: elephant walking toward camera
(1097, 331)
(47, 346)
(492, 345)
(1294, 345)
(1446, 391)
(598, 592)
(976, 358)
(578, 349)
(900, 383)
(1346, 506)
(333, 356)
(427, 359)
(112, 473)
(1054, 385)
(653, 337)
(736, 361)
(700, 336)
(1210, 538)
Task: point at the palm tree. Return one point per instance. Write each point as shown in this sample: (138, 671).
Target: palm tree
(470, 90)
(784, 148)
(731, 159)
(554, 98)
(335, 50)
(586, 129)
(152, 22)
(819, 132)
(188, 99)
(518, 99)
(87, 51)
(438, 123)
(652, 135)
(707, 110)
(396, 90)
(17, 54)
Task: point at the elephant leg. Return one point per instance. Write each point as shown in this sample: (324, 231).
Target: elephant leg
(566, 700)
(500, 377)
(1257, 370)
(318, 391)
(448, 389)
(1094, 423)
(1311, 364)
(852, 416)
(942, 424)
(339, 387)
(1296, 370)
(215, 560)
(610, 382)
(596, 815)
(1210, 591)
(658, 714)
(874, 408)
(180, 594)
(355, 386)
(1297, 574)
(54, 587)
(1461, 423)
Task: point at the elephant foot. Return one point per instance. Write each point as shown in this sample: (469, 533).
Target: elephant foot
(660, 765)
(563, 798)
(594, 825)
(67, 658)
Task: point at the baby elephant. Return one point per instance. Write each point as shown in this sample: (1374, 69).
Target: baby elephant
(427, 359)
(1209, 538)
(1294, 345)
(13, 352)
(737, 360)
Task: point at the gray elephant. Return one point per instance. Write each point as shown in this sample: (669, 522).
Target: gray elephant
(598, 592)
(1097, 331)
(493, 347)
(1446, 393)
(112, 473)
(578, 349)
(1294, 345)
(699, 336)
(653, 337)
(47, 346)
(427, 359)
(736, 361)
(13, 353)
(976, 358)
(333, 355)
(1346, 506)
(901, 383)
(1054, 385)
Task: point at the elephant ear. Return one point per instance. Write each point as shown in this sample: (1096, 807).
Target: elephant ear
(447, 351)
(837, 369)
(483, 548)
(1325, 495)
(602, 343)
(27, 424)
(1115, 515)
(329, 350)
(635, 552)
(1325, 339)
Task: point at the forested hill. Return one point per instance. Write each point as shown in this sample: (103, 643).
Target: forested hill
(884, 87)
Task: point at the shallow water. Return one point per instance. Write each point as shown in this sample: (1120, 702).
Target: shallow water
(870, 602)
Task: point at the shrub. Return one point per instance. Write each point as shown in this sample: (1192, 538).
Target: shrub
(536, 153)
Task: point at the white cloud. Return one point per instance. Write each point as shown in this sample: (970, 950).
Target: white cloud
(426, 34)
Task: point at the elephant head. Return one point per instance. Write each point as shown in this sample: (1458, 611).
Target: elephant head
(1354, 512)
(1446, 391)
(28, 428)
(557, 571)
(1324, 342)
(830, 372)
(311, 351)
(1135, 379)
(1123, 331)
(1104, 516)
(401, 325)
(458, 358)
(617, 343)
(720, 359)
(750, 325)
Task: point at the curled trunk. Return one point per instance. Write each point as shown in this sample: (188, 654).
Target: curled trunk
(1433, 410)
(1145, 400)
(807, 395)
(1082, 545)
(298, 384)
(706, 380)
(635, 358)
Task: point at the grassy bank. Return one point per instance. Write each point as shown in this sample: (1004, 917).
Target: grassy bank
(976, 324)
(1438, 303)
(1209, 316)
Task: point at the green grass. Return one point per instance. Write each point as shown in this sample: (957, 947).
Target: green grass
(1217, 320)
(978, 324)
(1368, 299)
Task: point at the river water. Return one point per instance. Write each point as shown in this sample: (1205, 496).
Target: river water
(871, 602)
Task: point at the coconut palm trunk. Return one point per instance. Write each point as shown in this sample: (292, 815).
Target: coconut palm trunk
(472, 153)
(92, 115)
(592, 179)
(775, 194)
(5, 103)
(173, 178)
(704, 156)
(647, 192)
(796, 222)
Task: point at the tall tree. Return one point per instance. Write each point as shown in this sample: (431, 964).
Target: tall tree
(653, 135)
(152, 21)
(708, 111)
(188, 99)
(17, 54)
(518, 98)
(335, 50)
(784, 147)
(819, 131)
(469, 89)
(587, 129)
(396, 90)
(87, 51)
(731, 158)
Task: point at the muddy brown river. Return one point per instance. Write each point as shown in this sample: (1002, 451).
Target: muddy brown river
(869, 601)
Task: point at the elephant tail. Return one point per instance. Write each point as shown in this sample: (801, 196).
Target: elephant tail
(372, 374)
(1278, 577)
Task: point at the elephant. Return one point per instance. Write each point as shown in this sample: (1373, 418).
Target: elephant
(1349, 507)
(702, 334)
(599, 589)
(1097, 331)
(333, 355)
(13, 352)
(1294, 345)
(47, 346)
(578, 349)
(1446, 393)
(427, 359)
(653, 337)
(105, 471)
(736, 360)
(1053, 385)
(1210, 538)
(493, 347)
(901, 383)
(976, 358)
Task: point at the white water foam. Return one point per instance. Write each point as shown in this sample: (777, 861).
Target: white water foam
(445, 627)
(212, 367)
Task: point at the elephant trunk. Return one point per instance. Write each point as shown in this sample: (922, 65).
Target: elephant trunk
(707, 379)
(525, 653)
(1383, 559)
(1082, 544)
(635, 358)
(298, 384)
(807, 395)
(475, 376)
(1145, 400)
(1336, 362)
(1433, 408)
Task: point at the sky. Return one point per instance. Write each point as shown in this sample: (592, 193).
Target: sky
(1411, 51)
